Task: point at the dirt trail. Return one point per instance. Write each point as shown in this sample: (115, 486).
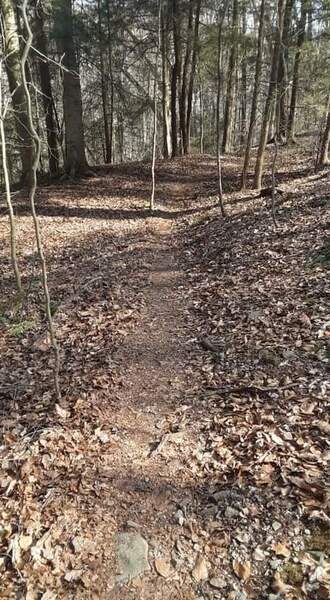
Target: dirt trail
(196, 451)
(149, 458)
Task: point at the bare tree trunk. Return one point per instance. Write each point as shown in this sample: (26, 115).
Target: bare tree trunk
(184, 87)
(193, 71)
(104, 89)
(325, 140)
(222, 14)
(296, 68)
(112, 88)
(274, 181)
(268, 110)
(166, 104)
(13, 68)
(32, 191)
(255, 95)
(75, 158)
(282, 76)
(243, 82)
(229, 106)
(154, 136)
(201, 119)
(46, 88)
(13, 253)
(175, 76)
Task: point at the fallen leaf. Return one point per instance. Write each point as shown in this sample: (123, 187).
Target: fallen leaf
(162, 567)
(62, 412)
(200, 570)
(25, 542)
(101, 435)
(276, 439)
(242, 570)
(281, 550)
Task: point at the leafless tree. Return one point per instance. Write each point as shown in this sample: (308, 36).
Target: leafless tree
(32, 191)
(13, 253)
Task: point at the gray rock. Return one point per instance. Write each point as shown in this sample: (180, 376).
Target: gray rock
(231, 513)
(132, 556)
(217, 583)
(132, 524)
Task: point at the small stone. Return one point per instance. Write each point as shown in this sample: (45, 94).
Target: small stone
(217, 583)
(276, 525)
(132, 524)
(258, 554)
(242, 536)
(231, 513)
(179, 517)
(132, 556)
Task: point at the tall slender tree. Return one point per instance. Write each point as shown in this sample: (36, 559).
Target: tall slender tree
(104, 86)
(228, 120)
(296, 69)
(176, 71)
(13, 67)
(166, 101)
(41, 45)
(271, 95)
(75, 157)
(255, 95)
(325, 139)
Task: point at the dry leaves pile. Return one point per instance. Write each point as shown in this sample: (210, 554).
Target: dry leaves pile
(240, 456)
(261, 298)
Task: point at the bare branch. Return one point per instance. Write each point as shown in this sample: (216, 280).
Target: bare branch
(32, 190)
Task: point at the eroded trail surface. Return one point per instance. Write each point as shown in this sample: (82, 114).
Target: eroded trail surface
(151, 456)
(187, 457)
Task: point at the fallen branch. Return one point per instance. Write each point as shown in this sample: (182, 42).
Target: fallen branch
(254, 389)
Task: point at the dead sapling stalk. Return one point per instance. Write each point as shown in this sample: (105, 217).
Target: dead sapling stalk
(13, 251)
(32, 192)
(273, 190)
(154, 136)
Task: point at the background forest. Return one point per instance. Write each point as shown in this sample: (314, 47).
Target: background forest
(164, 299)
(99, 71)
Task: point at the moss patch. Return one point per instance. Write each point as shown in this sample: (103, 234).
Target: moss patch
(292, 573)
(319, 540)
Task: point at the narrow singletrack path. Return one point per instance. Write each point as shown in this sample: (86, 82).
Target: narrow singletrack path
(150, 461)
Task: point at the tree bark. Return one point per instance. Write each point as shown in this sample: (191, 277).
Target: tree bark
(154, 133)
(193, 71)
(75, 157)
(296, 69)
(104, 87)
(255, 95)
(46, 88)
(201, 119)
(14, 74)
(176, 70)
(166, 103)
(243, 82)
(269, 106)
(13, 251)
(229, 106)
(185, 73)
(282, 76)
(112, 87)
(219, 166)
(325, 140)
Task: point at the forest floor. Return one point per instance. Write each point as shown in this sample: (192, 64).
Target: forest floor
(187, 458)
